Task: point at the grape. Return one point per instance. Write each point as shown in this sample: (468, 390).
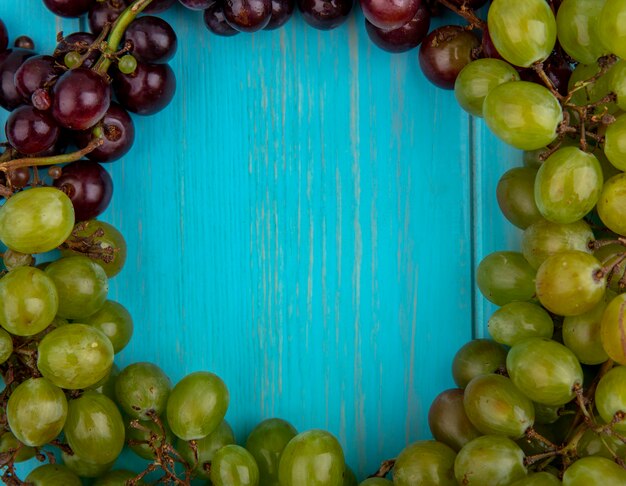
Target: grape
(215, 21)
(196, 4)
(266, 443)
(94, 428)
(600, 444)
(148, 90)
(517, 321)
(197, 405)
(83, 468)
(615, 143)
(611, 205)
(115, 322)
(592, 92)
(312, 458)
(248, 15)
(570, 283)
(516, 196)
(611, 397)
(389, 14)
(282, 10)
(53, 475)
(477, 79)
(35, 73)
(232, 465)
(104, 12)
(558, 70)
(106, 385)
(522, 32)
(149, 430)
(477, 357)
(69, 8)
(157, 6)
(504, 277)
(4, 37)
(10, 61)
(495, 406)
(617, 83)
(403, 38)
(142, 389)
(6, 346)
(28, 301)
(118, 135)
(77, 43)
(30, 131)
(349, 479)
(577, 27)
(448, 421)
(613, 331)
(546, 414)
(325, 14)
(594, 470)
(545, 238)
(489, 460)
(9, 442)
(612, 28)
(36, 412)
(37, 220)
(523, 114)
(154, 40)
(425, 462)
(609, 256)
(206, 448)
(538, 479)
(545, 371)
(445, 52)
(117, 478)
(376, 482)
(75, 356)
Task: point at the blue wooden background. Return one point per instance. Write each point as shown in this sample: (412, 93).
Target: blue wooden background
(304, 220)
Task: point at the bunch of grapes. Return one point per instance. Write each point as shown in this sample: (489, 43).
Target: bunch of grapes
(541, 403)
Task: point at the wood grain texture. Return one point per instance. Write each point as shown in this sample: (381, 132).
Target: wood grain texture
(304, 220)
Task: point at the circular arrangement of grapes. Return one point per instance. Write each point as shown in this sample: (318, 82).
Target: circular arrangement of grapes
(542, 402)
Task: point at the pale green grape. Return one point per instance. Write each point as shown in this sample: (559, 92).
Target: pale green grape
(577, 29)
(545, 371)
(117, 478)
(523, 114)
(266, 443)
(37, 220)
(425, 462)
(611, 396)
(207, 447)
(28, 301)
(612, 27)
(600, 444)
(477, 79)
(141, 389)
(612, 329)
(592, 91)
(36, 412)
(519, 320)
(516, 196)
(477, 357)
(612, 204)
(8, 442)
(615, 143)
(617, 83)
(83, 468)
(115, 322)
(349, 479)
(538, 479)
(546, 414)
(53, 475)
(6, 346)
(75, 356)
(376, 482)
(594, 470)
(522, 32)
(505, 276)
(232, 465)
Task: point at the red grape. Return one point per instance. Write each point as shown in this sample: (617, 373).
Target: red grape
(282, 10)
(10, 61)
(146, 91)
(215, 21)
(248, 15)
(69, 8)
(159, 6)
(153, 39)
(31, 131)
(403, 38)
(325, 14)
(103, 13)
(37, 72)
(390, 14)
(4, 37)
(197, 4)
(88, 186)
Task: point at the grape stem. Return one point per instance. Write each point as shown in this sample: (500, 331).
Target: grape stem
(465, 12)
(384, 469)
(538, 68)
(52, 160)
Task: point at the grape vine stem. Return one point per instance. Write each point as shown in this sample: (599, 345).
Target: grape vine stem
(465, 12)
(53, 160)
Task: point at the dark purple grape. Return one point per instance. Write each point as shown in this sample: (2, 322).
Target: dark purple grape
(197, 4)
(445, 52)
(10, 61)
(103, 13)
(325, 14)
(153, 39)
(403, 38)
(24, 42)
(558, 70)
(89, 187)
(282, 10)
(77, 42)
(248, 15)
(159, 6)
(216, 22)
(30, 131)
(80, 98)
(19, 178)
(36, 73)
(69, 8)
(146, 91)
(4, 37)
(390, 14)
(118, 133)
(488, 47)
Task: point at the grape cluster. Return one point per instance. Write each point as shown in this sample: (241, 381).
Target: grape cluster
(543, 402)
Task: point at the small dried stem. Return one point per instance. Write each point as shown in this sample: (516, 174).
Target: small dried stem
(467, 13)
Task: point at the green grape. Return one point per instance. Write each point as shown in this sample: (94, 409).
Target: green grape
(6, 346)
(8, 442)
(312, 458)
(533, 158)
(477, 79)
(83, 468)
(349, 479)
(612, 27)
(523, 114)
(425, 462)
(115, 322)
(127, 64)
(448, 421)
(75, 356)
(206, 448)
(545, 371)
(545, 238)
(582, 334)
(266, 443)
(53, 475)
(505, 276)
(577, 29)
(612, 329)
(593, 91)
(475, 358)
(617, 83)
(546, 414)
(232, 465)
(94, 428)
(611, 396)
(615, 143)
(37, 220)
(612, 204)
(146, 430)
(489, 460)
(36, 412)
(117, 478)
(600, 444)
(522, 32)
(82, 286)
(142, 389)
(376, 482)
(568, 185)
(516, 196)
(101, 237)
(28, 301)
(197, 405)
(570, 283)
(538, 479)
(519, 320)
(594, 470)
(106, 386)
(495, 406)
